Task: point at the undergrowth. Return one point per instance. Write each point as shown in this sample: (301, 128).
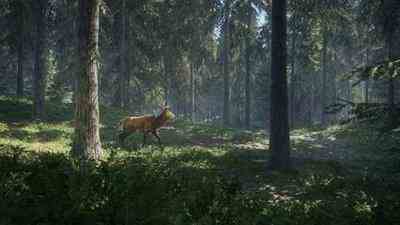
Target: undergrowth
(48, 188)
(206, 174)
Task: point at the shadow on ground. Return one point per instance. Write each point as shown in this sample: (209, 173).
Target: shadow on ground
(31, 132)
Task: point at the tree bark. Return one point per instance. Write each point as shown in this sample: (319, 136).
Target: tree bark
(248, 78)
(86, 143)
(366, 88)
(313, 99)
(293, 82)
(123, 58)
(39, 74)
(227, 95)
(335, 85)
(391, 92)
(192, 93)
(20, 49)
(389, 31)
(279, 137)
(324, 76)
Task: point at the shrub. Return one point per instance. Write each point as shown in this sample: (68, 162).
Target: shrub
(49, 188)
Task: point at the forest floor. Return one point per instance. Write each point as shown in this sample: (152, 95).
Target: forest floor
(349, 169)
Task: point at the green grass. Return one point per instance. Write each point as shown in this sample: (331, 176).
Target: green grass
(206, 174)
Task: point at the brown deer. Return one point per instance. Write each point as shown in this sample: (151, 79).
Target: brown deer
(145, 124)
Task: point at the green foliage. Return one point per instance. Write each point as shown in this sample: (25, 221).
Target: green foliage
(48, 188)
(13, 109)
(203, 176)
(243, 137)
(369, 111)
(20, 109)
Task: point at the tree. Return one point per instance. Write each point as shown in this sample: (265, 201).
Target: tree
(192, 93)
(19, 7)
(279, 130)
(123, 79)
(324, 93)
(225, 56)
(389, 27)
(293, 75)
(249, 18)
(86, 143)
(39, 75)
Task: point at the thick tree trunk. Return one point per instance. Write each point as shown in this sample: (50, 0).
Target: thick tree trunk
(20, 50)
(389, 32)
(39, 74)
(86, 143)
(279, 137)
(227, 94)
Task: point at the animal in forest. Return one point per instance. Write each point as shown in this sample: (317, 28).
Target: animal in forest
(145, 124)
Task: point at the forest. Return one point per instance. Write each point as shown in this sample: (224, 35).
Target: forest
(175, 112)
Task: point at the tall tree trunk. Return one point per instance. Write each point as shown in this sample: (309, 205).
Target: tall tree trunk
(324, 90)
(39, 74)
(60, 76)
(128, 62)
(391, 92)
(167, 74)
(227, 94)
(366, 91)
(86, 143)
(293, 82)
(335, 86)
(20, 49)
(279, 131)
(389, 31)
(366, 87)
(248, 78)
(313, 98)
(247, 91)
(346, 84)
(123, 58)
(192, 93)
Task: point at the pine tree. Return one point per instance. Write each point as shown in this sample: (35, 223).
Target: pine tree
(86, 143)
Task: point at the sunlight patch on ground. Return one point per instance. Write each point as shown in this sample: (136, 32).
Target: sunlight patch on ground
(41, 137)
(253, 146)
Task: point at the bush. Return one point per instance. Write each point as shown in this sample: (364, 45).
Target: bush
(14, 109)
(49, 188)
(243, 137)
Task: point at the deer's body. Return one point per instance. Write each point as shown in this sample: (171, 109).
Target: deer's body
(145, 124)
(138, 123)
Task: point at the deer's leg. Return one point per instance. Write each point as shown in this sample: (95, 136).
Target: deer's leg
(144, 138)
(122, 136)
(156, 134)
